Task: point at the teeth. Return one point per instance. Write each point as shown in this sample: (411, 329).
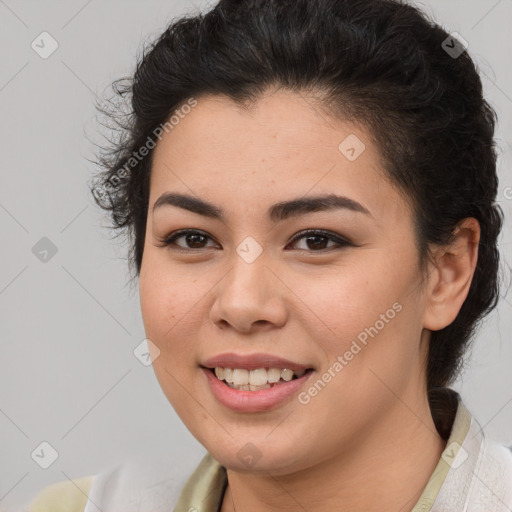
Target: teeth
(287, 375)
(254, 380)
(240, 377)
(257, 388)
(228, 375)
(258, 377)
(274, 374)
(250, 387)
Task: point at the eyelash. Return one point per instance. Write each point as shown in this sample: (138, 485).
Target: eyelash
(169, 240)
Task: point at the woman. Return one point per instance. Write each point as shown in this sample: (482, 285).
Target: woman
(309, 187)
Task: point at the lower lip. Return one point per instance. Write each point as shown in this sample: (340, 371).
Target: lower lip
(253, 401)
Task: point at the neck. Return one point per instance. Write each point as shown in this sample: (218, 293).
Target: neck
(387, 470)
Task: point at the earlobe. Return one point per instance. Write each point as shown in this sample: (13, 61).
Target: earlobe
(451, 278)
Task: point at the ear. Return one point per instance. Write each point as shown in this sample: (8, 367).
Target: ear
(450, 279)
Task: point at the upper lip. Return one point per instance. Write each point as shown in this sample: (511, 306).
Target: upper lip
(252, 362)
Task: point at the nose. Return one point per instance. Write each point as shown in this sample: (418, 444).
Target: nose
(250, 297)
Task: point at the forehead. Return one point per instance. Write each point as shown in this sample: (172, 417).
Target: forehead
(280, 147)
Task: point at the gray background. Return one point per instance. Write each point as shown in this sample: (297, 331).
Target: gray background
(69, 326)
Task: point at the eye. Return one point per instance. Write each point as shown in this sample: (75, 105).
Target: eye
(317, 240)
(195, 239)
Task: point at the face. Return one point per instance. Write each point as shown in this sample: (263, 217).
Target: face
(241, 286)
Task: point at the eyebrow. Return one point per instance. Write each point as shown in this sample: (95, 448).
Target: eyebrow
(277, 212)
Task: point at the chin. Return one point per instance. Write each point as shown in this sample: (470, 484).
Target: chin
(257, 455)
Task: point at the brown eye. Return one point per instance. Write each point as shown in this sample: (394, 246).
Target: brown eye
(317, 241)
(193, 239)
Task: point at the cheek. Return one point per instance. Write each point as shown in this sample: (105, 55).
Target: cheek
(165, 292)
(174, 302)
(166, 302)
(367, 323)
(346, 304)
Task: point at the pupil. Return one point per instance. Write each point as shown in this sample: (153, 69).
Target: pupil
(316, 245)
(194, 237)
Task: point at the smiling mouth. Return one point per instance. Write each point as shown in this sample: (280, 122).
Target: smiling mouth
(258, 379)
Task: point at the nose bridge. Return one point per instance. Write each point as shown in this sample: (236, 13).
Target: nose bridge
(249, 293)
(249, 270)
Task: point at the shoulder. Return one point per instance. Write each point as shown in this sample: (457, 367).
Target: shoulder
(493, 476)
(65, 496)
(499, 456)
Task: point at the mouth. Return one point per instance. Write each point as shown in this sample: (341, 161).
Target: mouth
(254, 372)
(254, 383)
(243, 379)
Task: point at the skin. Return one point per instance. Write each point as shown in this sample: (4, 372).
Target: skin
(366, 441)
